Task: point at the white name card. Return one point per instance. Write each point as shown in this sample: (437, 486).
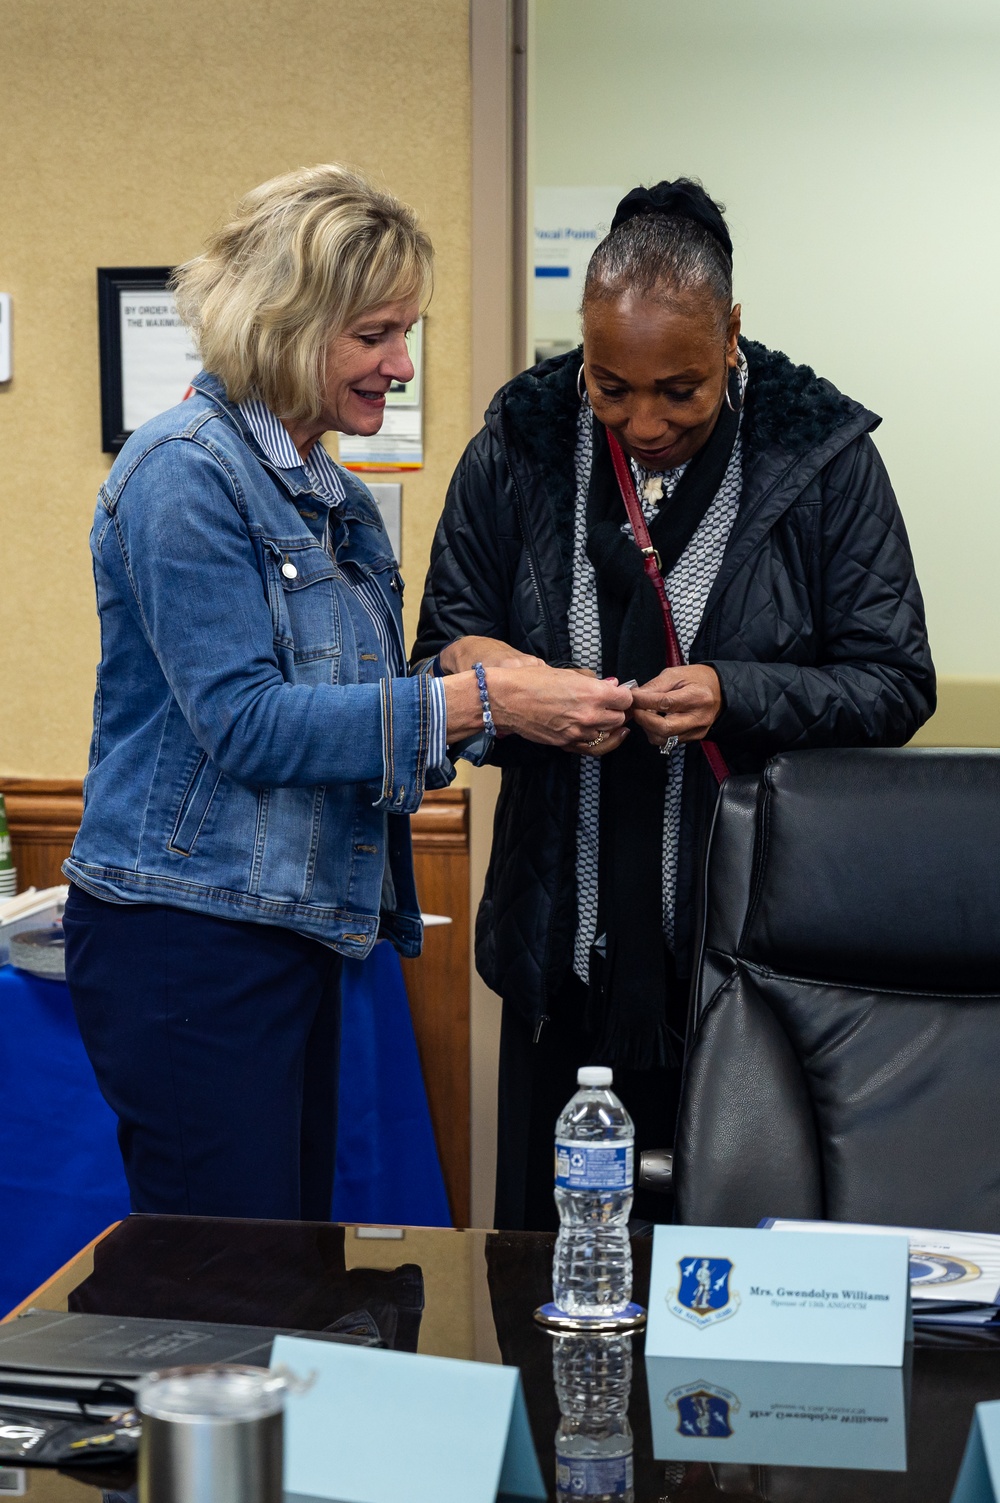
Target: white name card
(381, 1427)
(979, 1475)
(744, 1295)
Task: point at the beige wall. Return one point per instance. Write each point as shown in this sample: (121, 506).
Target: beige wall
(126, 132)
(855, 147)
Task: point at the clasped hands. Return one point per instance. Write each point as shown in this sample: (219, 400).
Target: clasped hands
(572, 707)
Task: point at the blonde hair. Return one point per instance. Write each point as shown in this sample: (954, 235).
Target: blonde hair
(304, 256)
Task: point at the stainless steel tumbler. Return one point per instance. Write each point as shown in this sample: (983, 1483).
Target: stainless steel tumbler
(211, 1435)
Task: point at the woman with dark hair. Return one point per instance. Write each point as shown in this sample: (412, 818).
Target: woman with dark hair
(669, 458)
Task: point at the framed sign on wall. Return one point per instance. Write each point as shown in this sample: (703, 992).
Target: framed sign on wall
(148, 355)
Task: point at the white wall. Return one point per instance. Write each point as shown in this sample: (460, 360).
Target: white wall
(855, 143)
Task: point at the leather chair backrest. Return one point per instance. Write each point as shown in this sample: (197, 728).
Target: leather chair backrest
(844, 1059)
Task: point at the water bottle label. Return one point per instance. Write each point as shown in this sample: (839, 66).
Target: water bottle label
(594, 1477)
(593, 1166)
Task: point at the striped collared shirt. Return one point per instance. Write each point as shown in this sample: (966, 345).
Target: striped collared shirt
(328, 483)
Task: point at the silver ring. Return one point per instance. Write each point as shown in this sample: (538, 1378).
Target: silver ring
(668, 746)
(601, 736)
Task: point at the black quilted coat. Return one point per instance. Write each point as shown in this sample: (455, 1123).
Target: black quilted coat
(815, 626)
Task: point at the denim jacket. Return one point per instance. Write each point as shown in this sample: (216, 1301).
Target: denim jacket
(249, 759)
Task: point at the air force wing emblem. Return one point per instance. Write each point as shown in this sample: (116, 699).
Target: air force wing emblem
(704, 1412)
(703, 1296)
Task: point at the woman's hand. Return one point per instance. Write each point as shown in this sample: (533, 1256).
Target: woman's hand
(459, 656)
(683, 702)
(551, 706)
(614, 738)
(559, 707)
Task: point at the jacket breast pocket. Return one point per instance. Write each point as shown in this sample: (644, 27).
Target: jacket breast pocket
(305, 611)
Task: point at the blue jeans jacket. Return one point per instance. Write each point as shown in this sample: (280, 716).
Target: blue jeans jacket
(249, 758)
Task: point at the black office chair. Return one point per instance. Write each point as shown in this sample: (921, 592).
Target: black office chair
(845, 1042)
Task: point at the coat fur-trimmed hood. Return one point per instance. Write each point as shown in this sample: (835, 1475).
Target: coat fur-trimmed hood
(789, 414)
(787, 406)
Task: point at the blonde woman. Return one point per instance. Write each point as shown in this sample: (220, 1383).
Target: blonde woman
(258, 744)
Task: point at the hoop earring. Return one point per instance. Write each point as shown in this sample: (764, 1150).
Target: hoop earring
(579, 382)
(741, 386)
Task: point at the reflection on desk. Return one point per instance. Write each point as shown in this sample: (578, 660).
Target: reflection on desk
(779, 1413)
(479, 1291)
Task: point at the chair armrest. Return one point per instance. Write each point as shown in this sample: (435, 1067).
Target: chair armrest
(656, 1171)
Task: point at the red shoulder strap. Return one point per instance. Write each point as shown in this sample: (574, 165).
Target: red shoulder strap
(651, 564)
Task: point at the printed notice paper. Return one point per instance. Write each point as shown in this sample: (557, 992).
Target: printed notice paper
(979, 1474)
(743, 1295)
(379, 1427)
(159, 357)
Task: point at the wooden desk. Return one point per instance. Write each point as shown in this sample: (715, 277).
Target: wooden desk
(55, 1292)
(479, 1290)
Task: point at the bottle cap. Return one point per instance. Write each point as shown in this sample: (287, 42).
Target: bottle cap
(594, 1075)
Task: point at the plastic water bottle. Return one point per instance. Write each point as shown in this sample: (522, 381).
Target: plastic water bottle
(595, 1147)
(593, 1376)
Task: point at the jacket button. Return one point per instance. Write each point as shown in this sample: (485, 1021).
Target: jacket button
(289, 570)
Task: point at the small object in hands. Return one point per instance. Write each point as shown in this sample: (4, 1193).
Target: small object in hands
(601, 736)
(668, 746)
(212, 1435)
(484, 696)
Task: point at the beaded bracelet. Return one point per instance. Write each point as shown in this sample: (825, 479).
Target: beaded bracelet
(484, 696)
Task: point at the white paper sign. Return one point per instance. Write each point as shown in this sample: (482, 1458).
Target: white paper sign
(384, 1427)
(569, 222)
(159, 357)
(745, 1295)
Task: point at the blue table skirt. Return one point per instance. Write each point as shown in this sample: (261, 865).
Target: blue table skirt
(61, 1179)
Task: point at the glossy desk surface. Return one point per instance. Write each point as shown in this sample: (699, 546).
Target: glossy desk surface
(478, 1291)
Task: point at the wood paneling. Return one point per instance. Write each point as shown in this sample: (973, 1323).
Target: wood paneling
(438, 983)
(44, 815)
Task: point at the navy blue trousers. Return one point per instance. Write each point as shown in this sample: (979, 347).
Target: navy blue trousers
(216, 1044)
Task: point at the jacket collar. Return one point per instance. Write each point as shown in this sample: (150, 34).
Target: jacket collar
(788, 407)
(794, 423)
(357, 502)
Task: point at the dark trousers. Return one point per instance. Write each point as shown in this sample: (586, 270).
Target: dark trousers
(536, 1081)
(216, 1043)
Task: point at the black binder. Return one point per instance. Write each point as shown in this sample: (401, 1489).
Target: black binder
(91, 1364)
